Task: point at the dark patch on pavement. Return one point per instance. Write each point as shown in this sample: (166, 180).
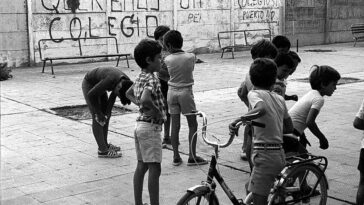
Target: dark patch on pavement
(342, 81)
(81, 112)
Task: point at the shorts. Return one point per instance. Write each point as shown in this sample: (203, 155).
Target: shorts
(267, 165)
(148, 142)
(180, 100)
(361, 161)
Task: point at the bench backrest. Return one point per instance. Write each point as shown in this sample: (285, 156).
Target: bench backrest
(357, 29)
(68, 47)
(242, 38)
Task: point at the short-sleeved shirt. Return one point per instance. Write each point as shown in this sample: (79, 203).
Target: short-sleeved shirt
(276, 111)
(180, 68)
(280, 87)
(106, 77)
(360, 115)
(299, 111)
(151, 82)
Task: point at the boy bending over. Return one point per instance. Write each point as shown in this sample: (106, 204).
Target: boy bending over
(267, 153)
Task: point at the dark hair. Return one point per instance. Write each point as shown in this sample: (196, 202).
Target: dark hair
(281, 42)
(294, 56)
(323, 75)
(125, 85)
(263, 49)
(173, 38)
(263, 72)
(284, 59)
(146, 48)
(160, 31)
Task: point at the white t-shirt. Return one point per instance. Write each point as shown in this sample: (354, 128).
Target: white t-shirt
(180, 68)
(300, 110)
(276, 111)
(360, 115)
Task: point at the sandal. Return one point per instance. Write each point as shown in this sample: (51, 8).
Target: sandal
(109, 154)
(113, 147)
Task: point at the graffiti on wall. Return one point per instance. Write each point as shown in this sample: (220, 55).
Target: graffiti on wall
(258, 10)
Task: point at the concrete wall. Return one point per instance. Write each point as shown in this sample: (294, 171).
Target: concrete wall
(14, 47)
(310, 21)
(321, 21)
(129, 21)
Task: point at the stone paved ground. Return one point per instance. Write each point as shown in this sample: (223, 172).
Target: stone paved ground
(48, 159)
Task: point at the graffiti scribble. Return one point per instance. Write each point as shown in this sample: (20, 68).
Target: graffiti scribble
(73, 5)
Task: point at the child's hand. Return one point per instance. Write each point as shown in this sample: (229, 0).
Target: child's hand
(324, 144)
(233, 129)
(294, 97)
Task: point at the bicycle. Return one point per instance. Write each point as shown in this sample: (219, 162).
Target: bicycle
(295, 184)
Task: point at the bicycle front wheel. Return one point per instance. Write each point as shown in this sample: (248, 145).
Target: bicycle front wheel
(299, 187)
(202, 198)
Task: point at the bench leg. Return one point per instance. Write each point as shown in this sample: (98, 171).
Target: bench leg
(44, 63)
(127, 61)
(354, 42)
(117, 63)
(232, 52)
(222, 53)
(52, 67)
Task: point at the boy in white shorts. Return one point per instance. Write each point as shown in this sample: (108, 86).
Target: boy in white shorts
(147, 94)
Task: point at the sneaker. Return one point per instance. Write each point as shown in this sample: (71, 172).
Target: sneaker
(166, 141)
(177, 161)
(243, 156)
(196, 161)
(109, 154)
(113, 147)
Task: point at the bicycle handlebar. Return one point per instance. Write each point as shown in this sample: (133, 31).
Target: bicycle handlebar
(242, 121)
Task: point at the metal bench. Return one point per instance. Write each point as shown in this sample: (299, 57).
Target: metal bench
(358, 32)
(75, 49)
(230, 41)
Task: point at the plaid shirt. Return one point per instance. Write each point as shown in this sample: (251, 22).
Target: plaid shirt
(151, 82)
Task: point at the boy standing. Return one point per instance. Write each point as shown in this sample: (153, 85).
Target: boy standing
(146, 93)
(359, 124)
(261, 49)
(323, 80)
(163, 77)
(268, 155)
(180, 95)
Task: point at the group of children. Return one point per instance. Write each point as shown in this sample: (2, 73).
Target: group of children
(264, 92)
(163, 97)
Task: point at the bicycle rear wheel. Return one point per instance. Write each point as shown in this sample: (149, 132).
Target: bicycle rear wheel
(297, 187)
(202, 198)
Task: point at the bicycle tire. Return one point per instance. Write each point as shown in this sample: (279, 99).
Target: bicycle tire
(201, 198)
(292, 180)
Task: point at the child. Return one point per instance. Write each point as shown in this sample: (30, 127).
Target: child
(95, 86)
(285, 66)
(323, 80)
(146, 93)
(163, 79)
(359, 124)
(296, 60)
(282, 43)
(261, 49)
(180, 95)
(268, 155)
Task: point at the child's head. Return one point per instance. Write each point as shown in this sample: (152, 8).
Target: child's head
(282, 43)
(147, 54)
(263, 49)
(263, 73)
(296, 60)
(173, 40)
(159, 33)
(285, 64)
(324, 79)
(125, 85)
